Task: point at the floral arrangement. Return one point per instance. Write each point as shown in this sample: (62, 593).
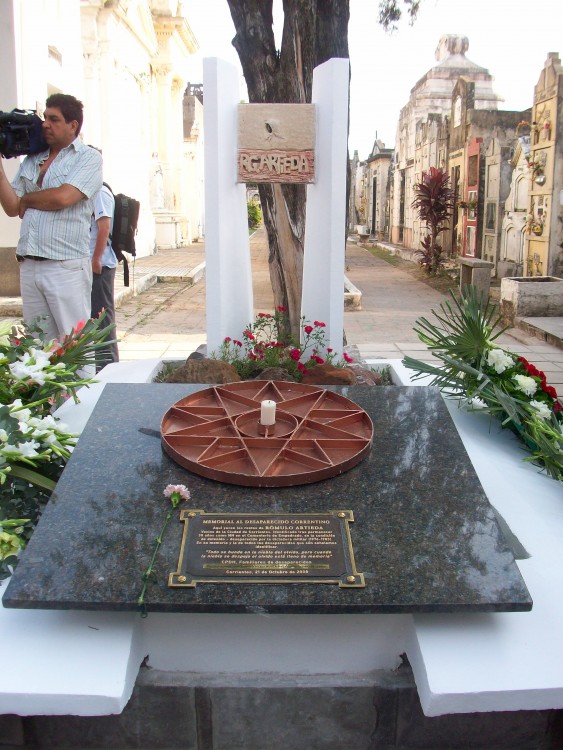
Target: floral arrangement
(533, 225)
(175, 493)
(534, 166)
(474, 369)
(266, 343)
(35, 378)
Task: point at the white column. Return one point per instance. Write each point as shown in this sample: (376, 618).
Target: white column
(325, 229)
(10, 97)
(229, 302)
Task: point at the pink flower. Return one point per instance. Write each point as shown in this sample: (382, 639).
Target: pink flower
(295, 354)
(79, 326)
(308, 329)
(176, 493)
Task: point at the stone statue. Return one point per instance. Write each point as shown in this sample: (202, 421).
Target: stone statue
(156, 184)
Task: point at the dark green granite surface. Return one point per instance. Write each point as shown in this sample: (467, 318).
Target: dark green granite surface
(424, 535)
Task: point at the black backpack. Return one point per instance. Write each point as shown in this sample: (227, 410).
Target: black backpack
(125, 218)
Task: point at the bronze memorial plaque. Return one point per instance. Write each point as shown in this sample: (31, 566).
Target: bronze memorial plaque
(266, 548)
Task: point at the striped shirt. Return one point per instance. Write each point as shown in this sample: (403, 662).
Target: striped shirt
(62, 234)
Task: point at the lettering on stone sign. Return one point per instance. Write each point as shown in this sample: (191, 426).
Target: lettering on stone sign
(258, 547)
(276, 166)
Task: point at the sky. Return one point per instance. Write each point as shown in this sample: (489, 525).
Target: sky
(502, 35)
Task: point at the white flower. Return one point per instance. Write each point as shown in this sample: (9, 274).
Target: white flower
(499, 360)
(542, 409)
(3, 436)
(28, 449)
(526, 384)
(18, 413)
(24, 428)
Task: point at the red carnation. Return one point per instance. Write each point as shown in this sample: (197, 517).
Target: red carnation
(319, 323)
(308, 329)
(249, 335)
(295, 354)
(347, 357)
(550, 390)
(227, 339)
(281, 308)
(238, 343)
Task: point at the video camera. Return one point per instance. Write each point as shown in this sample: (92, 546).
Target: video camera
(21, 133)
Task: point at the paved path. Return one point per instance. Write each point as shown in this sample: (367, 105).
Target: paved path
(167, 319)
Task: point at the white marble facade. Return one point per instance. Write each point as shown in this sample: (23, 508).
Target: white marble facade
(126, 61)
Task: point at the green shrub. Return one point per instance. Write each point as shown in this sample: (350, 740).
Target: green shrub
(254, 214)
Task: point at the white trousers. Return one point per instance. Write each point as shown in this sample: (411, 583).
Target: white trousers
(57, 292)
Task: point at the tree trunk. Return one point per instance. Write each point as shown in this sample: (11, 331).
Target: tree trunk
(314, 31)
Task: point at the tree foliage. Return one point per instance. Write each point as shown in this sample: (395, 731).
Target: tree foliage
(391, 12)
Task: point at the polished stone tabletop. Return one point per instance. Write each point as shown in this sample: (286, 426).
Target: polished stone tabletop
(424, 534)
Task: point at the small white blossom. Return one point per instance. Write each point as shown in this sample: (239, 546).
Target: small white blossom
(3, 436)
(526, 384)
(499, 360)
(18, 413)
(28, 450)
(542, 409)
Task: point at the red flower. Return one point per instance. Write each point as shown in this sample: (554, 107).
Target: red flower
(329, 350)
(550, 390)
(238, 343)
(263, 315)
(319, 324)
(347, 357)
(249, 335)
(295, 354)
(251, 355)
(523, 360)
(532, 370)
(227, 339)
(281, 308)
(318, 360)
(79, 326)
(308, 329)
(557, 407)
(302, 369)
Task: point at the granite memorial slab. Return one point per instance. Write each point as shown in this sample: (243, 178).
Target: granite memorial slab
(424, 535)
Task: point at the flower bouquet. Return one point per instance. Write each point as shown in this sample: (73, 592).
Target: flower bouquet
(488, 378)
(266, 343)
(35, 378)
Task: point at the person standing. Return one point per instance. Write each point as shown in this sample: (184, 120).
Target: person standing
(53, 194)
(104, 264)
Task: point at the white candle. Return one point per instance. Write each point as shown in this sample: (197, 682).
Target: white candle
(268, 412)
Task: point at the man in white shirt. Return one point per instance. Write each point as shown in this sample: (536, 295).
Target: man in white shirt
(104, 264)
(53, 194)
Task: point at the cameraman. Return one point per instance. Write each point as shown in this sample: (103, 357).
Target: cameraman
(53, 193)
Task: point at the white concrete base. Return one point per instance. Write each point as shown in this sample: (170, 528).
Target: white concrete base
(85, 663)
(78, 663)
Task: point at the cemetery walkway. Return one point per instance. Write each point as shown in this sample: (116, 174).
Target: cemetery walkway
(162, 314)
(168, 318)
